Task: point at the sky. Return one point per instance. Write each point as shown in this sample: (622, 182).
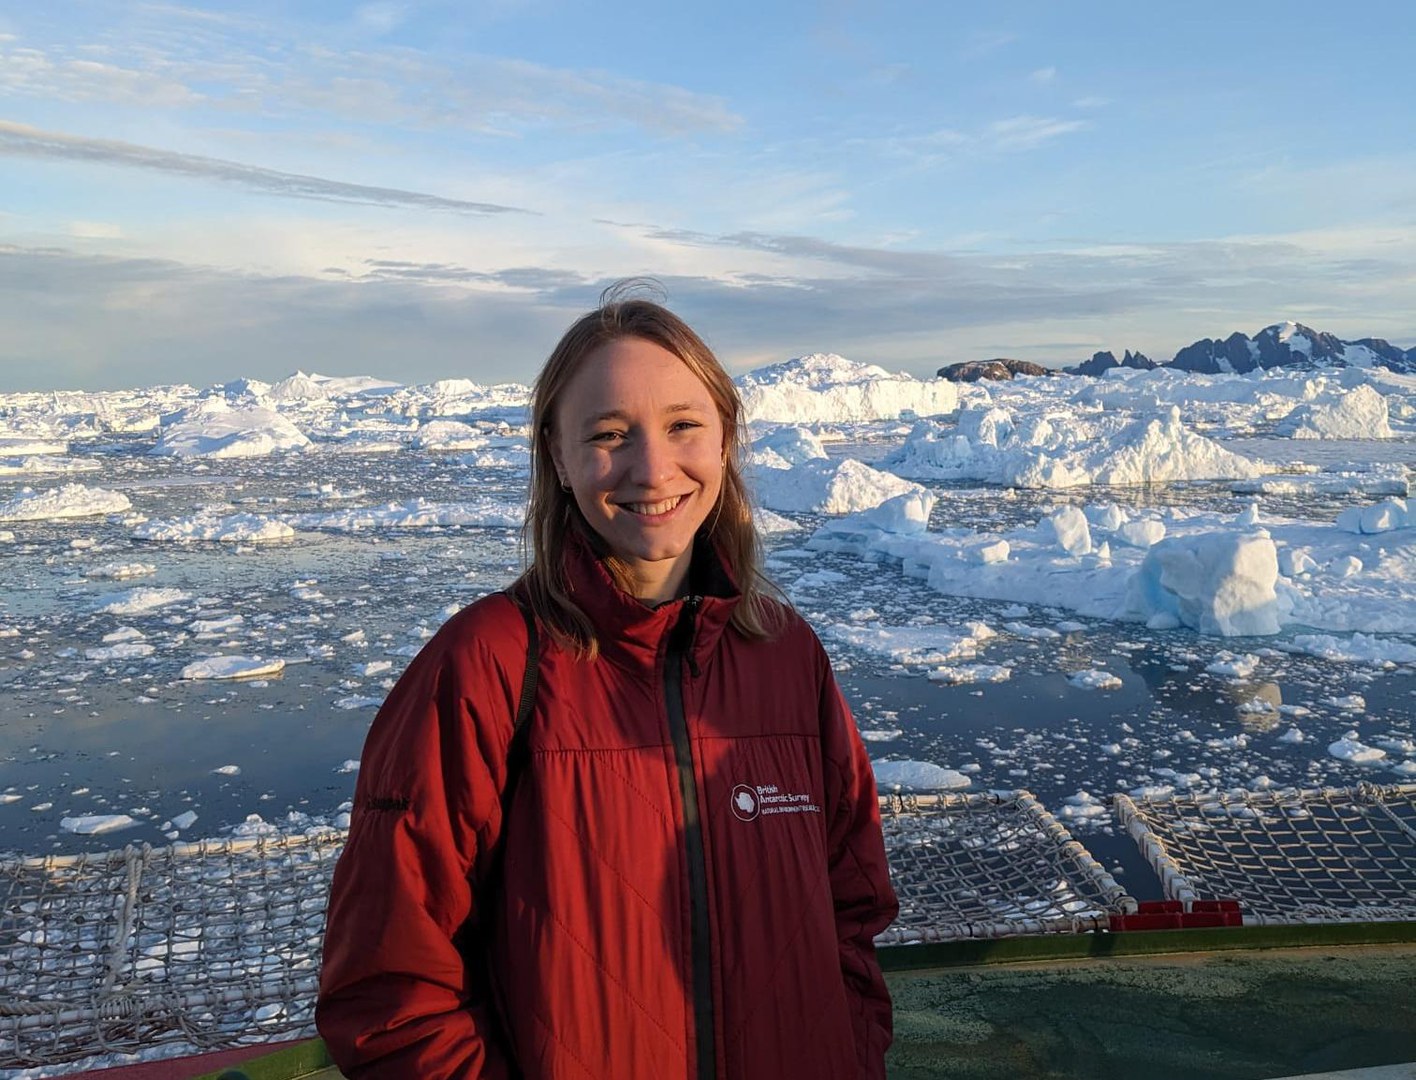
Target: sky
(421, 190)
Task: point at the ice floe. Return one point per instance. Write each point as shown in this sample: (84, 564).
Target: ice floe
(232, 667)
(826, 387)
(485, 512)
(917, 776)
(239, 528)
(829, 487)
(138, 601)
(69, 501)
(1359, 413)
(986, 444)
(214, 429)
(93, 824)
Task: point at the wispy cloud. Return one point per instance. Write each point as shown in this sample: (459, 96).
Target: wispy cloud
(986, 42)
(1009, 135)
(1043, 76)
(175, 59)
(379, 18)
(1030, 132)
(23, 140)
(35, 73)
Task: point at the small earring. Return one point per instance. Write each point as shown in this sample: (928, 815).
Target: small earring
(565, 487)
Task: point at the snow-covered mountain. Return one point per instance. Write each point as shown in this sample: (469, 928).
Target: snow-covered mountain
(1290, 345)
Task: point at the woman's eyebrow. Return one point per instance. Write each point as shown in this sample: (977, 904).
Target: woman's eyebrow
(621, 415)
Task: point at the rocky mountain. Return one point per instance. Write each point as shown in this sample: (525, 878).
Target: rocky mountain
(1102, 362)
(992, 370)
(1290, 345)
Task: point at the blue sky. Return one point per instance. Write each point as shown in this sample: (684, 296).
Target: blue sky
(420, 190)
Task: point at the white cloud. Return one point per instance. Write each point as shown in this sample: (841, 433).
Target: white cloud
(1029, 132)
(23, 140)
(34, 73)
(1043, 76)
(179, 60)
(984, 42)
(95, 230)
(380, 18)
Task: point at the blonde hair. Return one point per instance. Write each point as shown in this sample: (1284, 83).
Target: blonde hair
(552, 514)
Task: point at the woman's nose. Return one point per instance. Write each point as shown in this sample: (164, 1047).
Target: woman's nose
(653, 461)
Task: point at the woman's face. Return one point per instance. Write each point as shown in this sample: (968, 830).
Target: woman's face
(639, 442)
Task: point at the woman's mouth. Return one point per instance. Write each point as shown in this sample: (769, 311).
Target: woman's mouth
(653, 509)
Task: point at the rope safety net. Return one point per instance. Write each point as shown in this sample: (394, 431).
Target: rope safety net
(1316, 855)
(210, 944)
(218, 943)
(987, 866)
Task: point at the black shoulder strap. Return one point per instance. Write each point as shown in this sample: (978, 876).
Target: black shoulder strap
(533, 664)
(516, 749)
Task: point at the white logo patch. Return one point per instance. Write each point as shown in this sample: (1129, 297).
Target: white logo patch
(753, 801)
(744, 803)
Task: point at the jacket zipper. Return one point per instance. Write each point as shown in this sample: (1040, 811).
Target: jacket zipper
(681, 649)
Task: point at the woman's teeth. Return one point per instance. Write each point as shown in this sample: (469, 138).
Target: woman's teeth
(654, 509)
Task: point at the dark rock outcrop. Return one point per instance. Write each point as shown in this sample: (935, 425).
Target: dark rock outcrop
(1102, 362)
(991, 370)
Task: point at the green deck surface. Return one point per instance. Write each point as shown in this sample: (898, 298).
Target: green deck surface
(1116, 1012)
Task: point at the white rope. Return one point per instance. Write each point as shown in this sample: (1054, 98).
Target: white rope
(218, 943)
(1315, 855)
(988, 866)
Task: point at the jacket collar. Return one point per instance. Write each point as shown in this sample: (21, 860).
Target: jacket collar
(635, 635)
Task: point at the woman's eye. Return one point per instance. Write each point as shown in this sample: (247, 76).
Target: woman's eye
(606, 436)
(684, 425)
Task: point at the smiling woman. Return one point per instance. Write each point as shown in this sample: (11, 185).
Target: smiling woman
(650, 845)
(636, 439)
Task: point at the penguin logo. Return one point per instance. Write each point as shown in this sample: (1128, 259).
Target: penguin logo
(744, 803)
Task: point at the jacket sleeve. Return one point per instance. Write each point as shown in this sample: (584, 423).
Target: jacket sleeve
(860, 876)
(398, 997)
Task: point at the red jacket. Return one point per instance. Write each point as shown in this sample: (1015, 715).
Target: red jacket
(693, 873)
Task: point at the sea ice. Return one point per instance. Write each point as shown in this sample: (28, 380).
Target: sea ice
(1063, 451)
(1240, 667)
(1349, 748)
(133, 650)
(447, 435)
(1067, 528)
(213, 429)
(963, 674)
(1359, 648)
(116, 571)
(830, 487)
(933, 645)
(1094, 680)
(95, 824)
(792, 444)
(486, 512)
(830, 388)
(916, 776)
(231, 667)
(69, 501)
(1358, 413)
(19, 445)
(1084, 808)
(211, 525)
(1220, 583)
(138, 601)
(1381, 517)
